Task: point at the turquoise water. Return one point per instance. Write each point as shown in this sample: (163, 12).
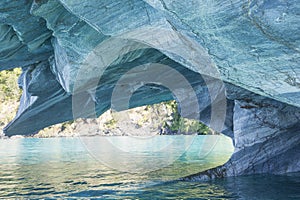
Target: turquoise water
(72, 168)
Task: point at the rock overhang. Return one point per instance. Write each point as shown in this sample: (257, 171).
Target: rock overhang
(253, 47)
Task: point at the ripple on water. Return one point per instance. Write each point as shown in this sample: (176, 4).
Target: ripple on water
(51, 174)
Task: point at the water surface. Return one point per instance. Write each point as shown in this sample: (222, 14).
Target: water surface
(66, 167)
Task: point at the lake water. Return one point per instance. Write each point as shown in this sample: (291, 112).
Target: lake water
(129, 168)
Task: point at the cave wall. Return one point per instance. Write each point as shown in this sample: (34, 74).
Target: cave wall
(247, 51)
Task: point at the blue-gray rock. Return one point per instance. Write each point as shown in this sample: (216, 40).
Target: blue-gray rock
(74, 53)
(24, 38)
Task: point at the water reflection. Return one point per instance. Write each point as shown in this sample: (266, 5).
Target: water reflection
(62, 167)
(248, 187)
(160, 156)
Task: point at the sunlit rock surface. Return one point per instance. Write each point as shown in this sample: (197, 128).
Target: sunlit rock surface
(253, 44)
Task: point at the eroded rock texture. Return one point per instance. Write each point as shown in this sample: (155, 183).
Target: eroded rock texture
(254, 45)
(266, 138)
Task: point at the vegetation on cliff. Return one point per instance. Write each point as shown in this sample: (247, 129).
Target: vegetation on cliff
(9, 95)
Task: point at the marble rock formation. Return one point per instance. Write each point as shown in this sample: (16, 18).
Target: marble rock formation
(74, 53)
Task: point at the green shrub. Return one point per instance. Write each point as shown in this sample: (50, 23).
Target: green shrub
(9, 95)
(9, 90)
(180, 125)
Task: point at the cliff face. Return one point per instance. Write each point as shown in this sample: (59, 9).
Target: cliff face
(266, 140)
(235, 63)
